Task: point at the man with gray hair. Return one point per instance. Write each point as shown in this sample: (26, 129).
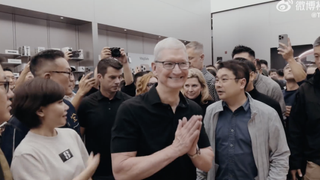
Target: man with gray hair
(196, 57)
(303, 130)
(159, 135)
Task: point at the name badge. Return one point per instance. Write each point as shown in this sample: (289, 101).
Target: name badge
(66, 155)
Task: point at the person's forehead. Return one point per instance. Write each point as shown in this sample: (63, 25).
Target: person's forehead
(287, 66)
(62, 63)
(244, 55)
(192, 80)
(316, 49)
(8, 73)
(153, 79)
(173, 55)
(224, 72)
(191, 51)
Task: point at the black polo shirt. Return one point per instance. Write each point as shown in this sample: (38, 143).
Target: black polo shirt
(97, 114)
(145, 125)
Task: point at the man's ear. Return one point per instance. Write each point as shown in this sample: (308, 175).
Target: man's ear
(154, 68)
(202, 57)
(243, 82)
(47, 75)
(252, 76)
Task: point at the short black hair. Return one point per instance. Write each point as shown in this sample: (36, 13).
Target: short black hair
(212, 71)
(139, 74)
(239, 69)
(108, 62)
(39, 60)
(250, 64)
(33, 94)
(262, 61)
(242, 49)
(280, 72)
(7, 69)
(272, 70)
(210, 66)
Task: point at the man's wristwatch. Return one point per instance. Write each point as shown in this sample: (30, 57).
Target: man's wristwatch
(196, 154)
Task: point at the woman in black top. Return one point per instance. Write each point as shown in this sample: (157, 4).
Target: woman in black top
(196, 89)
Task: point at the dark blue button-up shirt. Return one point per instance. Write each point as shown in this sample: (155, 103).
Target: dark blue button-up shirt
(233, 144)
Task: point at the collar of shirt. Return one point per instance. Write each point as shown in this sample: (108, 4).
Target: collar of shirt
(245, 106)
(254, 93)
(101, 97)
(154, 98)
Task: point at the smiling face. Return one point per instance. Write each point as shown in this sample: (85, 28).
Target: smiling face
(54, 115)
(175, 78)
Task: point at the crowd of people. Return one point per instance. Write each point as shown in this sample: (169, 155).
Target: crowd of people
(236, 119)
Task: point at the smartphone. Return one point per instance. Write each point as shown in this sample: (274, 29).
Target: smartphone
(145, 67)
(283, 38)
(91, 76)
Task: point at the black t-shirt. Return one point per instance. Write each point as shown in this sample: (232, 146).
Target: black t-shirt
(202, 105)
(129, 89)
(92, 90)
(72, 118)
(97, 114)
(145, 125)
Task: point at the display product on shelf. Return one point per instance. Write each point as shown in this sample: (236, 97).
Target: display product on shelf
(9, 51)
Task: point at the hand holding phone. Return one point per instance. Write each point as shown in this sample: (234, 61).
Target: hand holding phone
(285, 48)
(283, 38)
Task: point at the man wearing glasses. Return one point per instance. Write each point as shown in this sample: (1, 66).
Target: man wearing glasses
(5, 107)
(159, 134)
(47, 64)
(10, 78)
(246, 135)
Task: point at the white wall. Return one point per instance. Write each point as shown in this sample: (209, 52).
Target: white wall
(259, 26)
(218, 5)
(183, 19)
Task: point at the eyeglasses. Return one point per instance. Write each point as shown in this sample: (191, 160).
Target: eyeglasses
(5, 85)
(64, 72)
(170, 65)
(150, 84)
(224, 80)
